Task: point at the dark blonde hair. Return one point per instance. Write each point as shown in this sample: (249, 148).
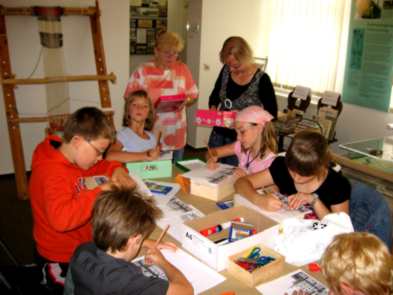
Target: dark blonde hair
(308, 154)
(362, 261)
(268, 139)
(89, 123)
(150, 116)
(238, 47)
(119, 214)
(169, 40)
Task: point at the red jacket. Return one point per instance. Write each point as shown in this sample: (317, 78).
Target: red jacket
(61, 205)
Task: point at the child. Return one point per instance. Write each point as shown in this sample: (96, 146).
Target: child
(358, 263)
(256, 142)
(122, 220)
(135, 141)
(304, 175)
(61, 204)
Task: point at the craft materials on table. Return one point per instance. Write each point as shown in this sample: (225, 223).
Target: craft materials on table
(219, 227)
(254, 260)
(240, 230)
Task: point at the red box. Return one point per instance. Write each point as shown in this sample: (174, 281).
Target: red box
(211, 118)
(169, 103)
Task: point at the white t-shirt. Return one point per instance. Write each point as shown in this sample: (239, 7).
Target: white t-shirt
(134, 143)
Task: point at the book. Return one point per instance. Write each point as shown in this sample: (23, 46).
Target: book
(170, 103)
(158, 188)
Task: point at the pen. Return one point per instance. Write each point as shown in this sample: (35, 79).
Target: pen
(161, 236)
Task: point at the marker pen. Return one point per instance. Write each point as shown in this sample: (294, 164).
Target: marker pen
(219, 227)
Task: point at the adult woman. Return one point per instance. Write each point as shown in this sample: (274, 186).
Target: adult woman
(241, 83)
(304, 176)
(166, 76)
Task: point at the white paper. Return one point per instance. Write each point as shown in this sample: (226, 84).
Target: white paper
(297, 280)
(301, 92)
(197, 273)
(192, 164)
(278, 216)
(203, 174)
(175, 189)
(200, 276)
(175, 213)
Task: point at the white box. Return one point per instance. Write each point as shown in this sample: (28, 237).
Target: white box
(215, 255)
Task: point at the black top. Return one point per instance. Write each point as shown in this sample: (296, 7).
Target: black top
(95, 272)
(334, 190)
(265, 95)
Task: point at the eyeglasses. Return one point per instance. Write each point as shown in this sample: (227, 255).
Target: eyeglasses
(98, 151)
(169, 53)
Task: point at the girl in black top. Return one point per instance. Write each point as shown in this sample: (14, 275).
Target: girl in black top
(304, 176)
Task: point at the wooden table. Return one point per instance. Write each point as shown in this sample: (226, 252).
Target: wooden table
(230, 284)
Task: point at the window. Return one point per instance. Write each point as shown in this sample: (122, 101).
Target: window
(305, 41)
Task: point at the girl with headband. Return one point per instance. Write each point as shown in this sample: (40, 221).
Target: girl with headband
(256, 142)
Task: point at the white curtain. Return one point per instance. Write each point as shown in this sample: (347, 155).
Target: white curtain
(305, 41)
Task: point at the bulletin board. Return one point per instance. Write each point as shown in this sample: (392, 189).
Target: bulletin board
(148, 17)
(369, 66)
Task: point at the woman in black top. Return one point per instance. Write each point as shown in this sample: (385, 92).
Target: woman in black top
(241, 83)
(304, 176)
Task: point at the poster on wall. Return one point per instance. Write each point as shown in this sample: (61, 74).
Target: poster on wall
(368, 73)
(148, 17)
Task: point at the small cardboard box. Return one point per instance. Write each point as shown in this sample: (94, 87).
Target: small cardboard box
(216, 255)
(214, 185)
(260, 274)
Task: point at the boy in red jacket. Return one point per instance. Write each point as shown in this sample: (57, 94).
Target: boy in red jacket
(61, 203)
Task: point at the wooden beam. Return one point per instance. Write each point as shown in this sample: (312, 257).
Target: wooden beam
(58, 79)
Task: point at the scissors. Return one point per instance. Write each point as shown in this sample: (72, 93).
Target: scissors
(255, 253)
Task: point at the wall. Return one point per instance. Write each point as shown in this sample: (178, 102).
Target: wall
(24, 48)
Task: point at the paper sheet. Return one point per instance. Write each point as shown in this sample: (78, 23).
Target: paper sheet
(200, 276)
(297, 280)
(278, 216)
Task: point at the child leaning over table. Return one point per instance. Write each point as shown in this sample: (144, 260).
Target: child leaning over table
(135, 141)
(122, 220)
(60, 199)
(357, 263)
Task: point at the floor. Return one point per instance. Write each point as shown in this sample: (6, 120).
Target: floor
(16, 240)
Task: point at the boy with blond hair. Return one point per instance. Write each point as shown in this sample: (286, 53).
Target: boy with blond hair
(122, 220)
(60, 200)
(358, 263)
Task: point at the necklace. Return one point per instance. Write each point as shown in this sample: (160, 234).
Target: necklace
(252, 160)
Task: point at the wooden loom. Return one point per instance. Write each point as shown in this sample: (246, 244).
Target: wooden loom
(9, 82)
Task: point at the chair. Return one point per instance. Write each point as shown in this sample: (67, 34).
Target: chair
(370, 212)
(261, 62)
(328, 110)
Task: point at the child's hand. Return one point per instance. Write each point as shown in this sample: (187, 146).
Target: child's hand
(299, 199)
(269, 202)
(239, 172)
(154, 256)
(212, 163)
(153, 154)
(121, 178)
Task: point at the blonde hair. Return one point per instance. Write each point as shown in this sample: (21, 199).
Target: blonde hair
(268, 139)
(360, 260)
(169, 40)
(150, 116)
(239, 48)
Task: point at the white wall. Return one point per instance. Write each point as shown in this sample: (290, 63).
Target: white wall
(24, 48)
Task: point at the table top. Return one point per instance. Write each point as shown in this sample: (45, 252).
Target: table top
(230, 284)
(377, 148)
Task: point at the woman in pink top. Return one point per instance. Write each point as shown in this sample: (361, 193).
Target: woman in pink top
(165, 77)
(256, 142)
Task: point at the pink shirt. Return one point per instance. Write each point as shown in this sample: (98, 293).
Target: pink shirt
(249, 164)
(159, 82)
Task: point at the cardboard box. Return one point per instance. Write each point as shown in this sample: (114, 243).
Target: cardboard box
(161, 168)
(214, 185)
(260, 274)
(216, 255)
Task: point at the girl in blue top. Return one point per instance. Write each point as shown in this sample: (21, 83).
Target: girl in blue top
(135, 141)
